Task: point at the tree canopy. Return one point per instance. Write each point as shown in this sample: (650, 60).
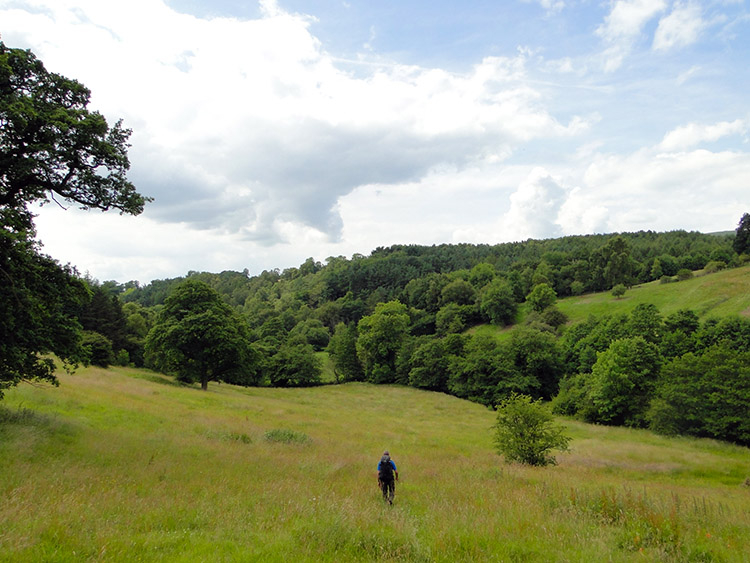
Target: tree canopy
(52, 145)
(200, 338)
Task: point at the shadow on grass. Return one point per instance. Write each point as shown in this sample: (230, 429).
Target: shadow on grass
(162, 379)
(21, 418)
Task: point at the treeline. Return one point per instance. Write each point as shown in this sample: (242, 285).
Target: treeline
(400, 316)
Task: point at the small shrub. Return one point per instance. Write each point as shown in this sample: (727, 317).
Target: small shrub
(684, 274)
(619, 290)
(285, 436)
(525, 431)
(122, 358)
(239, 437)
(666, 279)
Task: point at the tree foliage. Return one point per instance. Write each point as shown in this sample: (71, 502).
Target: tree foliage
(38, 302)
(623, 380)
(52, 145)
(380, 337)
(497, 303)
(705, 395)
(525, 432)
(741, 243)
(200, 338)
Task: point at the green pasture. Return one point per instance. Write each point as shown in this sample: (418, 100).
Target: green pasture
(710, 295)
(125, 465)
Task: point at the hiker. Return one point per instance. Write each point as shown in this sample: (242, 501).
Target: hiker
(387, 477)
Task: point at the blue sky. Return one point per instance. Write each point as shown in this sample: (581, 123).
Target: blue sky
(271, 131)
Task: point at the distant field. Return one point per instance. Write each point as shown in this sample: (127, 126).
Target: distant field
(709, 295)
(124, 465)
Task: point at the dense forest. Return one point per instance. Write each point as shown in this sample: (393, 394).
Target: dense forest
(402, 314)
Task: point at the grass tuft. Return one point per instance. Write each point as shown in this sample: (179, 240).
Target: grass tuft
(286, 436)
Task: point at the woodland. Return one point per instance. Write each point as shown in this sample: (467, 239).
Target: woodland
(408, 315)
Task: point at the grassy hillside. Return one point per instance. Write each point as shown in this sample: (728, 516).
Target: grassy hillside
(710, 295)
(123, 465)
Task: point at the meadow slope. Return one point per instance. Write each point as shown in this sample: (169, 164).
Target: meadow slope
(713, 295)
(124, 465)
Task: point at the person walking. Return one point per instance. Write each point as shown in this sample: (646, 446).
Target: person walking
(387, 477)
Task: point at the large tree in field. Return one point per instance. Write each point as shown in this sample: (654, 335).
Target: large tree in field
(51, 148)
(198, 337)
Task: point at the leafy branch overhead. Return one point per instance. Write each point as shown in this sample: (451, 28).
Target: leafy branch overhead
(52, 146)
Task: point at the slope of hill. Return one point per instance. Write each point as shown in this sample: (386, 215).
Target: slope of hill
(710, 295)
(123, 465)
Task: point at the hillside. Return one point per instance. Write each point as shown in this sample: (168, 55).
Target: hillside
(710, 295)
(122, 465)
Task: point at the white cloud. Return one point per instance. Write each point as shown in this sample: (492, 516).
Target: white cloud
(551, 6)
(680, 28)
(628, 17)
(246, 125)
(693, 134)
(623, 25)
(262, 148)
(673, 190)
(534, 208)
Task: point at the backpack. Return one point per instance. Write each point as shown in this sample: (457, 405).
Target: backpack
(385, 473)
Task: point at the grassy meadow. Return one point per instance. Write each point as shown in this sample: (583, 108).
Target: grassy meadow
(709, 295)
(124, 465)
(714, 295)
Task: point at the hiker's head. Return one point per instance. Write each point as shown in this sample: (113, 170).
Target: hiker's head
(386, 454)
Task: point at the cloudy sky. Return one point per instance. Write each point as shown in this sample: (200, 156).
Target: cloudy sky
(268, 132)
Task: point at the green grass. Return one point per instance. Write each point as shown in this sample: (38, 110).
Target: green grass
(121, 465)
(710, 295)
(326, 364)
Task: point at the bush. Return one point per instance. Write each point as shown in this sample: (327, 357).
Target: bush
(525, 432)
(554, 317)
(619, 290)
(98, 348)
(122, 358)
(684, 274)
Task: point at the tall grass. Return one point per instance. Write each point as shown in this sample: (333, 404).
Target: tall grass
(121, 465)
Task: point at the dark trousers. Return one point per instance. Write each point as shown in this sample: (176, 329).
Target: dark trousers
(389, 489)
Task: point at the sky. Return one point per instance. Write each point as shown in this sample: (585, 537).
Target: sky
(273, 131)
